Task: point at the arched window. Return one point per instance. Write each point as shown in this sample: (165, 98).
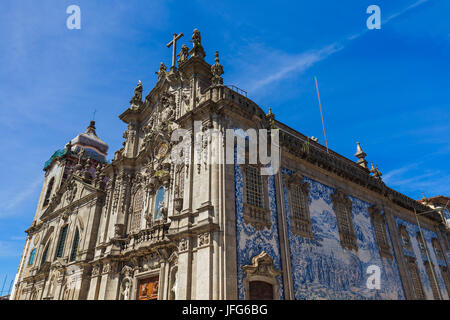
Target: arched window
(32, 255)
(44, 255)
(159, 204)
(138, 205)
(76, 240)
(49, 191)
(61, 242)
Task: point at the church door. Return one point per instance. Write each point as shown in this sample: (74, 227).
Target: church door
(148, 289)
(260, 290)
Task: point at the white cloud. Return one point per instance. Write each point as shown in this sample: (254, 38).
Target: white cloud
(20, 197)
(287, 65)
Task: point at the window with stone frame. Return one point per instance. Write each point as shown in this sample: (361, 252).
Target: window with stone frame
(379, 227)
(434, 287)
(445, 276)
(48, 192)
(32, 256)
(256, 211)
(343, 208)
(421, 244)
(74, 251)
(299, 215)
(415, 277)
(406, 242)
(62, 241)
(44, 255)
(437, 249)
(138, 205)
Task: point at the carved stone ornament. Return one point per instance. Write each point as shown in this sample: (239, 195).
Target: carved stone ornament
(183, 244)
(96, 270)
(262, 265)
(203, 239)
(127, 271)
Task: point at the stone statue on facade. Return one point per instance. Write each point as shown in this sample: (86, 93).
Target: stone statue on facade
(184, 54)
(197, 48)
(162, 71)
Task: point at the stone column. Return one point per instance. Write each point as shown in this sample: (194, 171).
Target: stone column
(95, 283)
(204, 267)
(184, 269)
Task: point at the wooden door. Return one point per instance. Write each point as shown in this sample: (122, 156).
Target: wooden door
(148, 288)
(260, 290)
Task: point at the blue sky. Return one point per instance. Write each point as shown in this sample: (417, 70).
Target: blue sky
(387, 89)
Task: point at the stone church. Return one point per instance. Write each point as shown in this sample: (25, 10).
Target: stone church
(143, 227)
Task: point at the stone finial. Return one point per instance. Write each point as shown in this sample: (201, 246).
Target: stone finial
(360, 154)
(376, 173)
(197, 48)
(217, 71)
(271, 118)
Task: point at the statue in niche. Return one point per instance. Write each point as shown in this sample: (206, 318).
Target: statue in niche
(159, 204)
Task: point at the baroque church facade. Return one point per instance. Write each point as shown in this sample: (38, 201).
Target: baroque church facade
(143, 227)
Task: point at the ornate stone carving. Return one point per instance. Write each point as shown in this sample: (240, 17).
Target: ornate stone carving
(262, 265)
(96, 270)
(183, 244)
(203, 239)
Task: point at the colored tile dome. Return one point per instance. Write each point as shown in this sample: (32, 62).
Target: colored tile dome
(93, 146)
(90, 142)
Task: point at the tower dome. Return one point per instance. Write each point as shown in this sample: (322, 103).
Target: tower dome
(93, 146)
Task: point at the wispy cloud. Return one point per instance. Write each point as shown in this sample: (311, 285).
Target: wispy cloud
(20, 197)
(301, 62)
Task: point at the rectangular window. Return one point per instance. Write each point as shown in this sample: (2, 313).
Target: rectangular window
(256, 212)
(417, 284)
(444, 272)
(434, 286)
(300, 221)
(379, 228)
(343, 209)
(61, 242)
(254, 187)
